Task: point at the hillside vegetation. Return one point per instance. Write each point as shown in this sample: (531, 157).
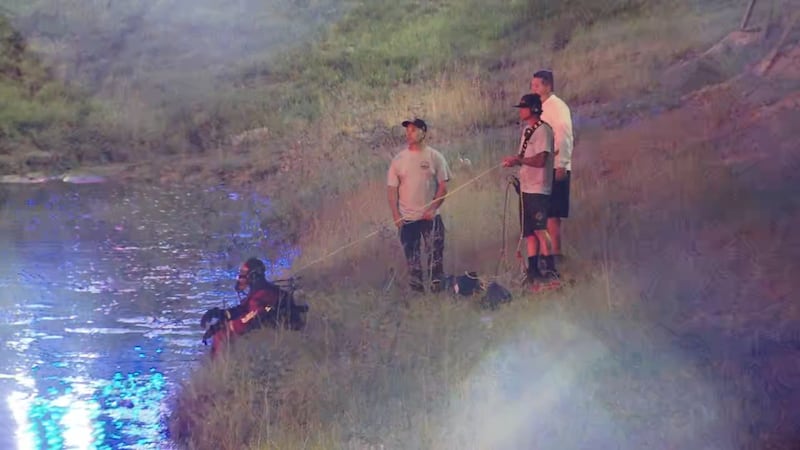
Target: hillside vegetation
(677, 327)
(158, 75)
(184, 80)
(41, 115)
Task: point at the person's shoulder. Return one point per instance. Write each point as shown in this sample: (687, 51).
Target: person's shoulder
(440, 162)
(544, 133)
(527, 130)
(400, 155)
(259, 293)
(435, 152)
(558, 101)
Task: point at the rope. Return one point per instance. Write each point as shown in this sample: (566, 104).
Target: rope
(511, 182)
(503, 234)
(522, 262)
(373, 233)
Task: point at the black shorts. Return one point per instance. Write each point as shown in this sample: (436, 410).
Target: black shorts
(559, 197)
(534, 213)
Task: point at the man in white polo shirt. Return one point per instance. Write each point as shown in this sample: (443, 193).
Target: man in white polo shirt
(557, 114)
(417, 184)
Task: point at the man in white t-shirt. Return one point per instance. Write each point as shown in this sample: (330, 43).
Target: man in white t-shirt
(557, 114)
(417, 184)
(535, 158)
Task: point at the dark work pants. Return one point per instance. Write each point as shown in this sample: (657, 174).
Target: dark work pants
(431, 233)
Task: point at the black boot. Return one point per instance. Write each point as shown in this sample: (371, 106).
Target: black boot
(532, 274)
(550, 267)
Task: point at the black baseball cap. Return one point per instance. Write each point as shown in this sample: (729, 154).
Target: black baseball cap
(419, 123)
(532, 101)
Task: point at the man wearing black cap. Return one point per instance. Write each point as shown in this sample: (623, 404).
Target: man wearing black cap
(417, 184)
(535, 158)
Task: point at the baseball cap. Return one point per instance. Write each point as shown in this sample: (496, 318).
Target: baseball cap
(419, 123)
(532, 101)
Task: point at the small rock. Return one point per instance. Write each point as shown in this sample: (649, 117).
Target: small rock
(82, 178)
(32, 178)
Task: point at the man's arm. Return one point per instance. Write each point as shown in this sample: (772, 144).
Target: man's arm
(224, 314)
(239, 310)
(537, 160)
(442, 177)
(393, 197)
(559, 134)
(393, 194)
(562, 140)
(438, 199)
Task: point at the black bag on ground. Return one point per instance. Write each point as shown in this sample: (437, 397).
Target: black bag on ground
(465, 285)
(495, 295)
(469, 284)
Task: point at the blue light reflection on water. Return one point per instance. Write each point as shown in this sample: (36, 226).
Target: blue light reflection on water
(123, 412)
(103, 287)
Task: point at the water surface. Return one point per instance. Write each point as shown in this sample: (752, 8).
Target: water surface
(101, 289)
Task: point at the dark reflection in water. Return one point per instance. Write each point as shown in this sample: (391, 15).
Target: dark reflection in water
(101, 288)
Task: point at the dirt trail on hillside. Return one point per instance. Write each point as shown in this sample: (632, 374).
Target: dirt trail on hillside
(735, 254)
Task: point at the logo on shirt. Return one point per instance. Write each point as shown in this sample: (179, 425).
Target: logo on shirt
(424, 165)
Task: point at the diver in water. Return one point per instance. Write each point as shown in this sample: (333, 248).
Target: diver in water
(264, 303)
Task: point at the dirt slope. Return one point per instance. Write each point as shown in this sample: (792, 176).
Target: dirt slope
(705, 194)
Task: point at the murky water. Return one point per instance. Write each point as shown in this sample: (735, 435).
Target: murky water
(101, 289)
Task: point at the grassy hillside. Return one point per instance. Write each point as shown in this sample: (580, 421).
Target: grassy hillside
(327, 111)
(41, 115)
(183, 80)
(678, 329)
(161, 75)
(458, 64)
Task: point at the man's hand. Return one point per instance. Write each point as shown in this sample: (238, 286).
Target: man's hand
(510, 161)
(211, 314)
(428, 214)
(561, 173)
(211, 331)
(398, 222)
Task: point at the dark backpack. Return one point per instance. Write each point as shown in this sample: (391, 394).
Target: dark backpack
(495, 296)
(469, 284)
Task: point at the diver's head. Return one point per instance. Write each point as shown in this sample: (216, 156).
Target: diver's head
(251, 271)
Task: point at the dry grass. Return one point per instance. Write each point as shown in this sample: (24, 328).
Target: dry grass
(357, 79)
(621, 64)
(679, 331)
(565, 371)
(624, 55)
(359, 127)
(668, 339)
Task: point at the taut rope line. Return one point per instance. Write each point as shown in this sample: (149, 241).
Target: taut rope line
(364, 238)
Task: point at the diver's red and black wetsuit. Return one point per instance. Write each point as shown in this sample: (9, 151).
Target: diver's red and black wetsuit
(265, 304)
(247, 315)
(259, 306)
